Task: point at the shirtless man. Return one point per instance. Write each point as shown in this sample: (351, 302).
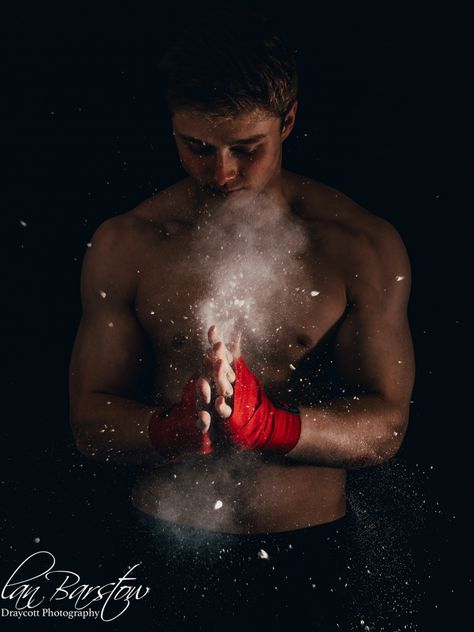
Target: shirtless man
(276, 469)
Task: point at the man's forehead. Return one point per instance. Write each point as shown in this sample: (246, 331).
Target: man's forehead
(245, 127)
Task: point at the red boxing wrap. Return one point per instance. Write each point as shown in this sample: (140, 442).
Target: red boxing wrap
(175, 434)
(256, 423)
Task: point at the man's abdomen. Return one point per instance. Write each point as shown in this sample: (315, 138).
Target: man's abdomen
(241, 493)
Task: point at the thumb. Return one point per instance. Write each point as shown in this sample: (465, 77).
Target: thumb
(235, 345)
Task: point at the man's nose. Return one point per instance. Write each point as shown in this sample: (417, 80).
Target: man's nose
(225, 170)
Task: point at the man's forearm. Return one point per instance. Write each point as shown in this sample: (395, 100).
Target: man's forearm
(350, 432)
(111, 428)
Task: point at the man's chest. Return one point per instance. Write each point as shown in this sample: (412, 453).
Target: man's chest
(281, 302)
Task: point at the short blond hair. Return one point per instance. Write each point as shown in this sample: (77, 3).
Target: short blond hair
(228, 64)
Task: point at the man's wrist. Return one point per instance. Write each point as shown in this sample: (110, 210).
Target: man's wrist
(256, 422)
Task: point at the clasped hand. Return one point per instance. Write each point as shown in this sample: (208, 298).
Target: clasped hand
(215, 388)
(250, 421)
(232, 409)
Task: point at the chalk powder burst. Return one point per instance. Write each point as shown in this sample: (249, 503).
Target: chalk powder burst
(254, 271)
(246, 284)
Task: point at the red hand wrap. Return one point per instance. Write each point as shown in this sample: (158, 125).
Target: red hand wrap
(256, 423)
(175, 433)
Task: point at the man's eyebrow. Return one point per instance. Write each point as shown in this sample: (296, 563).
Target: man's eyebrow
(240, 141)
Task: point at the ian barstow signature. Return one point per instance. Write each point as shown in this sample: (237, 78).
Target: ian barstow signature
(27, 587)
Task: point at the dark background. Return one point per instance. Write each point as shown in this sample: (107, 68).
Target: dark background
(382, 117)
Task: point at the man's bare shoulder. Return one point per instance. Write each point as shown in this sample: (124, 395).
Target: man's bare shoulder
(111, 260)
(170, 206)
(157, 215)
(359, 239)
(333, 211)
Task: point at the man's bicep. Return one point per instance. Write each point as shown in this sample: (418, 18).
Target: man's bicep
(374, 351)
(110, 344)
(374, 354)
(108, 355)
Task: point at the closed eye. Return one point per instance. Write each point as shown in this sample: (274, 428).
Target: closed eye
(200, 149)
(244, 152)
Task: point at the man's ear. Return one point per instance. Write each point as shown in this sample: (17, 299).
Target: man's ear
(289, 121)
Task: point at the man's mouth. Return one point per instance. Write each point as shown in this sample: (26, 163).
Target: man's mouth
(223, 192)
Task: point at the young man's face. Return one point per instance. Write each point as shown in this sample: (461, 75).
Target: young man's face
(231, 157)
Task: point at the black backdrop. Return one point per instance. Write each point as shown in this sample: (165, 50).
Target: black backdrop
(382, 117)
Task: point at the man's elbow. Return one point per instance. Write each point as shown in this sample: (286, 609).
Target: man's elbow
(384, 443)
(82, 437)
(391, 438)
(81, 441)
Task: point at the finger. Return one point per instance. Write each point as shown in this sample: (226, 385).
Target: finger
(223, 386)
(208, 361)
(230, 374)
(226, 358)
(204, 390)
(212, 335)
(223, 409)
(211, 370)
(235, 345)
(203, 421)
(215, 339)
(221, 351)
